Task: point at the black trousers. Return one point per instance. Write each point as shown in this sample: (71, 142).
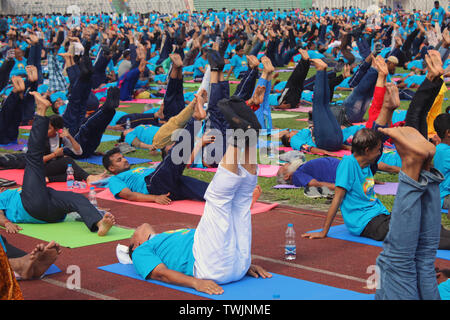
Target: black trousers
(55, 169)
(378, 227)
(44, 203)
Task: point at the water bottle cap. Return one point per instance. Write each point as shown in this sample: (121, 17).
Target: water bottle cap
(69, 165)
(92, 188)
(290, 225)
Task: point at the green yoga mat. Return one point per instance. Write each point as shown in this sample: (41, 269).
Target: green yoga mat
(72, 234)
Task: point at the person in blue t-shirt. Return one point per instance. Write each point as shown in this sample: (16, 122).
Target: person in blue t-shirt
(164, 184)
(200, 65)
(437, 13)
(442, 156)
(238, 63)
(218, 251)
(34, 202)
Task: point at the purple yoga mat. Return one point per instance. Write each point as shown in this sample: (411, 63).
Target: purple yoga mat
(388, 188)
(285, 186)
(14, 146)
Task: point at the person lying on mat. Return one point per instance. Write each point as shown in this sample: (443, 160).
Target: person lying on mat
(55, 161)
(218, 251)
(363, 213)
(34, 202)
(166, 182)
(318, 174)
(442, 156)
(34, 264)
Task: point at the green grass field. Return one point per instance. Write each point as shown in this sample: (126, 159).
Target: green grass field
(293, 197)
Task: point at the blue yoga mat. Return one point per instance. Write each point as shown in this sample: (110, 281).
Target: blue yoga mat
(98, 160)
(249, 288)
(105, 137)
(341, 232)
(52, 270)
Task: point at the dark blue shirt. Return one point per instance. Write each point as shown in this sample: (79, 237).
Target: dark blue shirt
(321, 169)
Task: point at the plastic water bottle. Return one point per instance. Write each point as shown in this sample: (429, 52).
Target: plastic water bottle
(92, 197)
(70, 178)
(290, 247)
(128, 124)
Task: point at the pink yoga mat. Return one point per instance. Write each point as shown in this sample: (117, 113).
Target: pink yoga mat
(265, 170)
(339, 153)
(185, 206)
(388, 188)
(17, 175)
(25, 127)
(143, 101)
(298, 109)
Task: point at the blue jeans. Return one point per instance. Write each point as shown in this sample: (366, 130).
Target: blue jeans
(264, 114)
(357, 103)
(406, 263)
(168, 175)
(216, 122)
(128, 83)
(174, 98)
(327, 131)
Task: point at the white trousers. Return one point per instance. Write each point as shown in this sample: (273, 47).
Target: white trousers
(222, 241)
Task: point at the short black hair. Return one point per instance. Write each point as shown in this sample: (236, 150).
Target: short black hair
(107, 157)
(365, 139)
(130, 251)
(442, 124)
(285, 140)
(56, 121)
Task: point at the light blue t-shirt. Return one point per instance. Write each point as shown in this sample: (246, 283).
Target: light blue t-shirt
(172, 248)
(302, 137)
(11, 204)
(144, 132)
(391, 158)
(442, 163)
(199, 63)
(133, 179)
(239, 64)
(360, 204)
(444, 290)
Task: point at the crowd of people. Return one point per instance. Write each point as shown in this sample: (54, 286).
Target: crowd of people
(66, 76)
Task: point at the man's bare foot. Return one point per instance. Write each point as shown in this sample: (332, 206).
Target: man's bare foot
(391, 98)
(18, 84)
(258, 96)
(42, 104)
(34, 264)
(199, 111)
(32, 73)
(268, 67)
(105, 224)
(160, 113)
(319, 64)
(176, 60)
(256, 194)
(253, 61)
(434, 64)
(415, 151)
